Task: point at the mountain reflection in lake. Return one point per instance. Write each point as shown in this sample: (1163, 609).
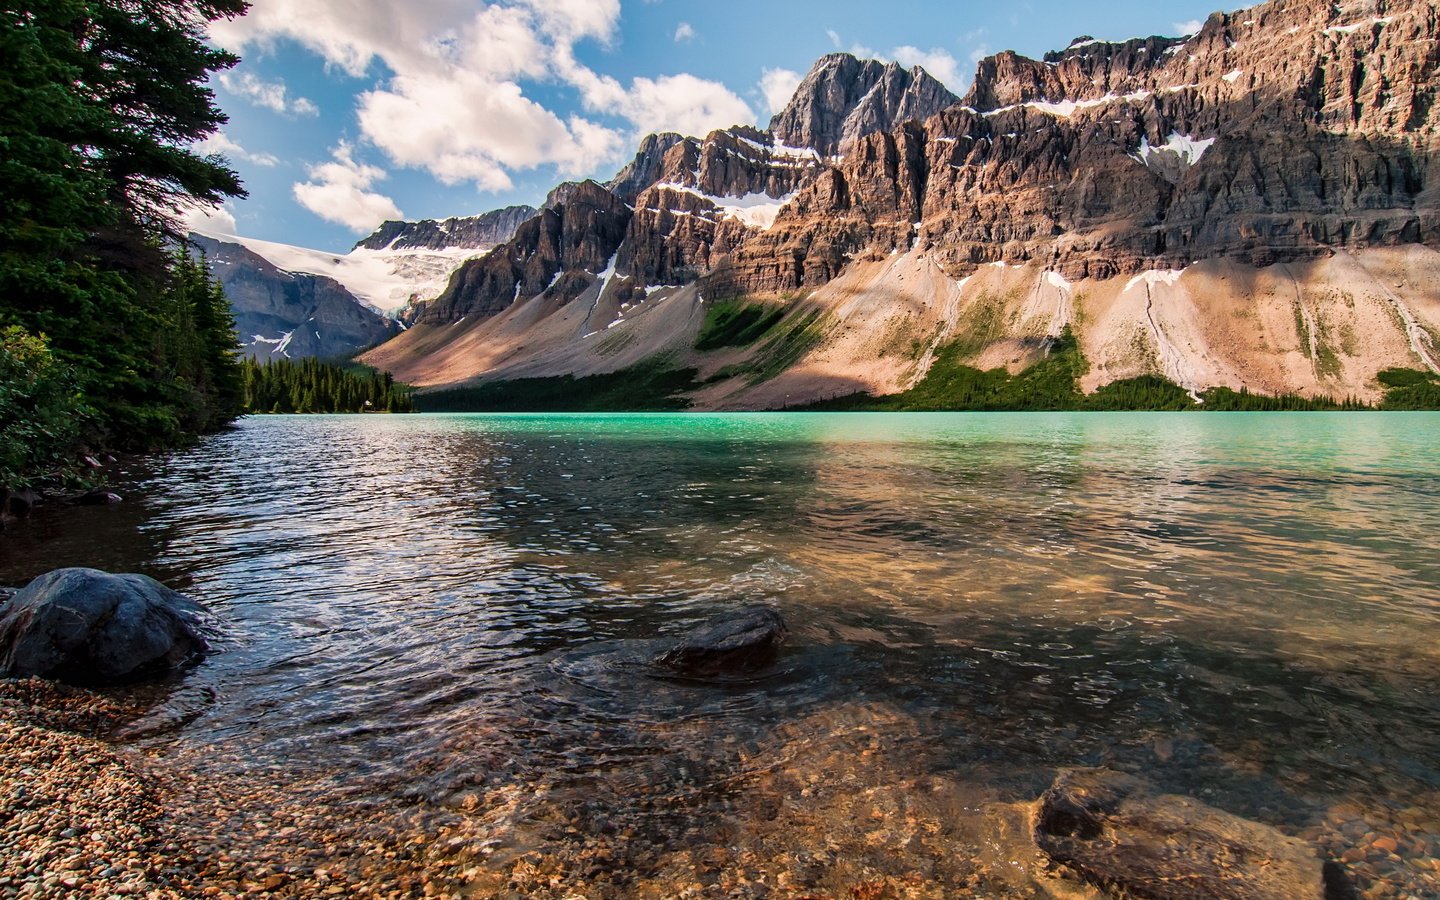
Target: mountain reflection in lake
(436, 622)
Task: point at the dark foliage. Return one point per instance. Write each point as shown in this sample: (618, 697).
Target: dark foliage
(732, 323)
(1410, 389)
(651, 386)
(311, 386)
(100, 103)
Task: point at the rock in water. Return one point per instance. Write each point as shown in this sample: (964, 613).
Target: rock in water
(1117, 833)
(88, 627)
(736, 643)
(98, 498)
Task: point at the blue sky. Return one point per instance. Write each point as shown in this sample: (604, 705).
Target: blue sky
(347, 112)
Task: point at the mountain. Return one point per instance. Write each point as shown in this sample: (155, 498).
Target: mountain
(1253, 206)
(843, 99)
(275, 289)
(290, 315)
(480, 232)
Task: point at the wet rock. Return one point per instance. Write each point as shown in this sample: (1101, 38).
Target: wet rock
(84, 626)
(98, 498)
(18, 503)
(736, 643)
(1117, 833)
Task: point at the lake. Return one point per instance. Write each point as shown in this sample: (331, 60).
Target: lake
(434, 624)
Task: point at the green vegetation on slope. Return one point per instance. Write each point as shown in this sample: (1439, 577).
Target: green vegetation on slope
(1147, 392)
(100, 104)
(311, 386)
(1410, 389)
(650, 386)
(1051, 384)
(735, 323)
(1054, 384)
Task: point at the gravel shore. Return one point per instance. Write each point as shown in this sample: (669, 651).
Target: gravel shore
(82, 816)
(78, 817)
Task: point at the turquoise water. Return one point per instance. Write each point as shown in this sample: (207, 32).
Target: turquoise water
(441, 614)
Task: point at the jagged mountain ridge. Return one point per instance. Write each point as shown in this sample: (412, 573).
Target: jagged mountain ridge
(1276, 136)
(482, 232)
(842, 99)
(688, 202)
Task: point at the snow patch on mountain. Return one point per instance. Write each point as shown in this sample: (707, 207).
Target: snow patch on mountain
(385, 280)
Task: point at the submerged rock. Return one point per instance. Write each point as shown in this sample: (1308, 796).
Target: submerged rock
(736, 643)
(88, 627)
(98, 498)
(18, 503)
(1117, 833)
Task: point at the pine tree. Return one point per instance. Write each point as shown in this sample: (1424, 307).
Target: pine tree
(100, 103)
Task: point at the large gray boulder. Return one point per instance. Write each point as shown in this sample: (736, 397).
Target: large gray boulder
(734, 644)
(1118, 833)
(84, 626)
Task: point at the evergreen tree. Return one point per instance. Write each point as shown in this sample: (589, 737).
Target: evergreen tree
(310, 386)
(100, 104)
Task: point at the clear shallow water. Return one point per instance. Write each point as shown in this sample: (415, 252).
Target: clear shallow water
(444, 613)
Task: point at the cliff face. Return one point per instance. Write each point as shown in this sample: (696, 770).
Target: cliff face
(563, 249)
(1276, 134)
(844, 98)
(288, 315)
(1275, 139)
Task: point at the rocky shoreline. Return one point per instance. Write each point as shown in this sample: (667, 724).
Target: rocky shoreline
(89, 813)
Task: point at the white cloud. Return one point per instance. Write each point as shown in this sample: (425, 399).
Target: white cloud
(778, 86)
(208, 219)
(685, 32)
(683, 103)
(267, 94)
(338, 191)
(221, 144)
(452, 99)
(464, 128)
(938, 63)
(979, 53)
(834, 37)
(1187, 28)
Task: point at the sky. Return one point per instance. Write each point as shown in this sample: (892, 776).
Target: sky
(345, 113)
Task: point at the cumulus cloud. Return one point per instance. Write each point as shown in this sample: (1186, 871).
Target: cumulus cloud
(684, 32)
(939, 63)
(449, 95)
(220, 144)
(208, 219)
(778, 86)
(465, 128)
(268, 94)
(339, 191)
(683, 103)
(1187, 28)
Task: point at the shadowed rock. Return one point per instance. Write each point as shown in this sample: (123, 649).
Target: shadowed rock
(88, 627)
(1117, 833)
(98, 498)
(736, 643)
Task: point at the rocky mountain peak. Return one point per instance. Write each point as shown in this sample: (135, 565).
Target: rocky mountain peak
(844, 98)
(466, 232)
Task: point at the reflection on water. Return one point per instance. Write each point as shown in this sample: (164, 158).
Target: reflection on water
(443, 613)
